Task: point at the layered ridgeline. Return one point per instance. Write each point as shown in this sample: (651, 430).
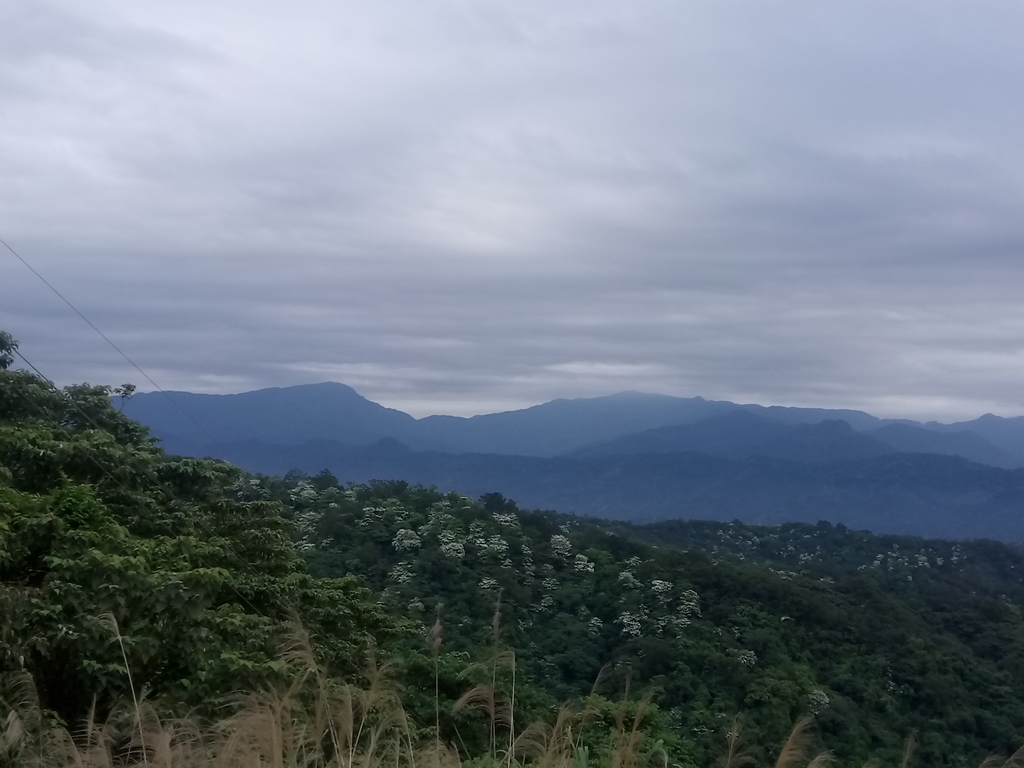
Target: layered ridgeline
(633, 457)
(189, 574)
(335, 412)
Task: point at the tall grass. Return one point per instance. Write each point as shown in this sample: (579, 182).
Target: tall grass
(317, 721)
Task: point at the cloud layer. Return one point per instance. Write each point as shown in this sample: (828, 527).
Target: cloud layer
(465, 205)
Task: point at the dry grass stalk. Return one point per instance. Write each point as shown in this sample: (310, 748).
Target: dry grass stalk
(735, 755)
(909, 747)
(795, 748)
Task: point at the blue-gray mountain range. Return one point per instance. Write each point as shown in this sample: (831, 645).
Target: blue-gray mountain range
(631, 456)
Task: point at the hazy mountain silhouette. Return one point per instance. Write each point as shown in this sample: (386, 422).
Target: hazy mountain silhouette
(740, 434)
(973, 446)
(1007, 434)
(630, 456)
(287, 415)
(293, 415)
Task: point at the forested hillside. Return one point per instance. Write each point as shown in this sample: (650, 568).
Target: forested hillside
(98, 527)
(913, 493)
(128, 574)
(876, 636)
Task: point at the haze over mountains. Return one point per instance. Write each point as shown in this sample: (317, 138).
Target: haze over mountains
(632, 456)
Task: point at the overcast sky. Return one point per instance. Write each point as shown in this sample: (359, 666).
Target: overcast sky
(461, 206)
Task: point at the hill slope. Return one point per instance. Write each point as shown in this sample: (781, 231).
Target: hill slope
(741, 434)
(877, 636)
(917, 494)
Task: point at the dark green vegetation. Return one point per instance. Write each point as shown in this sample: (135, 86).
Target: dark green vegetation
(202, 568)
(878, 636)
(95, 520)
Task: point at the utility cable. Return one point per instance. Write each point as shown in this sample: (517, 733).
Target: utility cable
(107, 339)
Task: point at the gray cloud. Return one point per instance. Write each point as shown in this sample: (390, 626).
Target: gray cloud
(467, 206)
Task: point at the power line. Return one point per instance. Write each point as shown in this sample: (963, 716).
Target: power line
(170, 495)
(106, 338)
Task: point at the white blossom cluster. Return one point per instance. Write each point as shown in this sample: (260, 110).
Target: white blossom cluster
(451, 547)
(689, 603)
(496, 545)
(507, 519)
(627, 578)
(401, 573)
(687, 608)
(528, 567)
(662, 590)
(306, 522)
(561, 546)
(550, 584)
(396, 511)
(630, 623)
(547, 603)
(416, 606)
(243, 488)
(582, 564)
(488, 583)
(747, 658)
(594, 626)
(304, 492)
(439, 518)
(372, 516)
(406, 540)
(818, 701)
(895, 558)
(476, 535)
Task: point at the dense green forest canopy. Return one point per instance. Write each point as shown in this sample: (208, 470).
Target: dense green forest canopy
(95, 521)
(876, 636)
(203, 569)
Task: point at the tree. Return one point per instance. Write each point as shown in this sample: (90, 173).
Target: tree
(203, 582)
(8, 346)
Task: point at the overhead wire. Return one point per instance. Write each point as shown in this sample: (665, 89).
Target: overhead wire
(107, 339)
(170, 494)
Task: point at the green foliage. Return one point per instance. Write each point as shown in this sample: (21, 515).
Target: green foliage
(201, 580)
(8, 346)
(817, 631)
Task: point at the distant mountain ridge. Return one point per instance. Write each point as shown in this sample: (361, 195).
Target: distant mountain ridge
(631, 456)
(336, 412)
(741, 434)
